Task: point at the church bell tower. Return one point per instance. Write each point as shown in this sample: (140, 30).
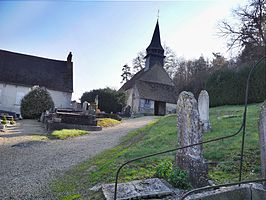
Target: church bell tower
(155, 51)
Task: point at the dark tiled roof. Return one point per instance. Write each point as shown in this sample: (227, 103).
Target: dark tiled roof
(156, 91)
(130, 83)
(157, 74)
(27, 70)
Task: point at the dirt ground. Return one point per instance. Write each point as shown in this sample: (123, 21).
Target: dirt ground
(23, 130)
(29, 160)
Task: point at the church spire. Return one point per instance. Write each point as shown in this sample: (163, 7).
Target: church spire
(155, 51)
(156, 40)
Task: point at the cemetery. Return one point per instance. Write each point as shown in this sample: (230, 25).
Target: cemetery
(176, 128)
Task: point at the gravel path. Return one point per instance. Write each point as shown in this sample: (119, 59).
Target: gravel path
(27, 165)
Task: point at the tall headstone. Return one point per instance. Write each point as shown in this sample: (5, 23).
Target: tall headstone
(85, 106)
(96, 101)
(262, 136)
(203, 106)
(189, 131)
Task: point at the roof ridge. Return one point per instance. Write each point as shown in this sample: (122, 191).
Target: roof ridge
(28, 55)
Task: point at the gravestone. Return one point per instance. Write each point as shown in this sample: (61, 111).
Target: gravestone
(85, 106)
(189, 131)
(262, 136)
(96, 101)
(203, 107)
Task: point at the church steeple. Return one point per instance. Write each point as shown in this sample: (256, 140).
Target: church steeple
(155, 51)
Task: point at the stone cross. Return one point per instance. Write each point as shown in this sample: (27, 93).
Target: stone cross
(189, 131)
(203, 106)
(262, 136)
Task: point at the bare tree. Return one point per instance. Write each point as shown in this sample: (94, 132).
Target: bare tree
(138, 63)
(251, 26)
(170, 61)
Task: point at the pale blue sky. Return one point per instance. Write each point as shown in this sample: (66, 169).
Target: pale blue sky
(103, 36)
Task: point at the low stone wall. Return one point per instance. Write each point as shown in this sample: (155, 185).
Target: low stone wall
(51, 126)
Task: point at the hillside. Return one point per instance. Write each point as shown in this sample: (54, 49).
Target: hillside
(223, 156)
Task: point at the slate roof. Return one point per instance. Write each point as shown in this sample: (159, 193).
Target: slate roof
(153, 84)
(27, 70)
(156, 39)
(130, 83)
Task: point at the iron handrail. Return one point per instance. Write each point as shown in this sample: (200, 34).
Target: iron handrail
(243, 127)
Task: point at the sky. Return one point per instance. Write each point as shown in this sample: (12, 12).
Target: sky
(105, 35)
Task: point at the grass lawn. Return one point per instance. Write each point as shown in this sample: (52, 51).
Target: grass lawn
(223, 156)
(67, 133)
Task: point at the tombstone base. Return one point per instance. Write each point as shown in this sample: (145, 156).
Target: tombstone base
(197, 169)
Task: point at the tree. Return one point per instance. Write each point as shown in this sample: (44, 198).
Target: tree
(126, 74)
(110, 100)
(191, 75)
(35, 102)
(170, 61)
(138, 63)
(251, 26)
(219, 61)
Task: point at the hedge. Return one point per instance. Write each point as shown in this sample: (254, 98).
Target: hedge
(227, 86)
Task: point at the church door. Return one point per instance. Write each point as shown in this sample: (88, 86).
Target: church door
(159, 108)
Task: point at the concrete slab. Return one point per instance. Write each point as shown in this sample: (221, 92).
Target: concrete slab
(137, 189)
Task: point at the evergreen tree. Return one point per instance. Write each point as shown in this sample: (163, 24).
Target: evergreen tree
(126, 74)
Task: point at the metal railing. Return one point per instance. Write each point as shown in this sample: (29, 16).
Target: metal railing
(242, 128)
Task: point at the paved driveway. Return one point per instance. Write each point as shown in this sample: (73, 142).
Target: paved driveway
(28, 162)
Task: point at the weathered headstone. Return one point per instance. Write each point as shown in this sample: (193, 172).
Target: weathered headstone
(42, 117)
(96, 101)
(203, 106)
(189, 131)
(85, 106)
(262, 136)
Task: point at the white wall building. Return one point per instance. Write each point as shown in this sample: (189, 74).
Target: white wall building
(19, 73)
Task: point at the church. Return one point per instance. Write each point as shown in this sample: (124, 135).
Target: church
(151, 91)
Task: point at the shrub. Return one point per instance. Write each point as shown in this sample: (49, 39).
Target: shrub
(68, 133)
(179, 178)
(109, 100)
(173, 175)
(4, 121)
(106, 122)
(163, 170)
(35, 102)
